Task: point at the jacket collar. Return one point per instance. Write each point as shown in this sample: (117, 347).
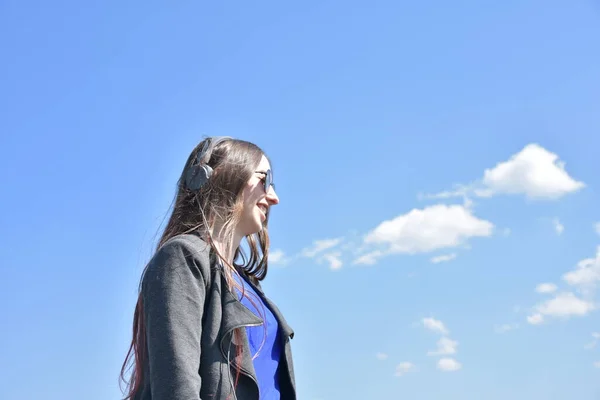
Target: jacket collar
(236, 315)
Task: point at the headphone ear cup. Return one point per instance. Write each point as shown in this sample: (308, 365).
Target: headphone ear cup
(197, 176)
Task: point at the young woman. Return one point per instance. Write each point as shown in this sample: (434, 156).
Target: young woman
(202, 327)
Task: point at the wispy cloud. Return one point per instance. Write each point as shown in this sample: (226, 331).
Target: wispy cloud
(558, 227)
(505, 328)
(319, 246)
(404, 368)
(597, 227)
(278, 257)
(322, 251)
(333, 259)
(369, 258)
(435, 325)
(381, 356)
(546, 288)
(443, 258)
(445, 346)
(535, 319)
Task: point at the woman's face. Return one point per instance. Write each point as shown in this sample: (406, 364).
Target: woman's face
(257, 200)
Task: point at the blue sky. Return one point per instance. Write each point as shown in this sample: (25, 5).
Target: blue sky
(401, 134)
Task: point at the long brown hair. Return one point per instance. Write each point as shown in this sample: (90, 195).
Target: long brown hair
(218, 201)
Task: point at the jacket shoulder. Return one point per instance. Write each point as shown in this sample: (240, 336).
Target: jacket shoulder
(185, 252)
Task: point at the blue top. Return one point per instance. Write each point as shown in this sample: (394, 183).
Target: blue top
(265, 356)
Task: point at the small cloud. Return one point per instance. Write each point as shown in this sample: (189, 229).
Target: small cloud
(597, 227)
(445, 346)
(404, 368)
(597, 364)
(443, 258)
(546, 288)
(435, 325)
(585, 279)
(565, 305)
(320, 246)
(333, 259)
(449, 365)
(381, 356)
(587, 273)
(558, 227)
(505, 328)
(459, 191)
(535, 319)
(369, 258)
(277, 257)
(506, 232)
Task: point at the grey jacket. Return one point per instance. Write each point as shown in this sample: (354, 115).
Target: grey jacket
(190, 315)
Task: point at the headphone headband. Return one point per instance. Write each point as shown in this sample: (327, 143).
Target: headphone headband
(199, 172)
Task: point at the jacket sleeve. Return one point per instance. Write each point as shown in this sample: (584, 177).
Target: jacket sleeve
(174, 292)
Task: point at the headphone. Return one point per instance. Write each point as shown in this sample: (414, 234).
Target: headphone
(199, 172)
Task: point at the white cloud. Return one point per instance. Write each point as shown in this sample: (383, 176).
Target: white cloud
(584, 278)
(445, 346)
(443, 258)
(565, 305)
(404, 368)
(459, 191)
(535, 172)
(333, 259)
(597, 227)
(505, 328)
(587, 273)
(277, 257)
(424, 230)
(535, 319)
(369, 258)
(449, 364)
(381, 356)
(558, 227)
(597, 364)
(320, 246)
(435, 325)
(546, 288)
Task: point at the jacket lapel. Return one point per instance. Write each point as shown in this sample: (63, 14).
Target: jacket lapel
(236, 315)
(286, 329)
